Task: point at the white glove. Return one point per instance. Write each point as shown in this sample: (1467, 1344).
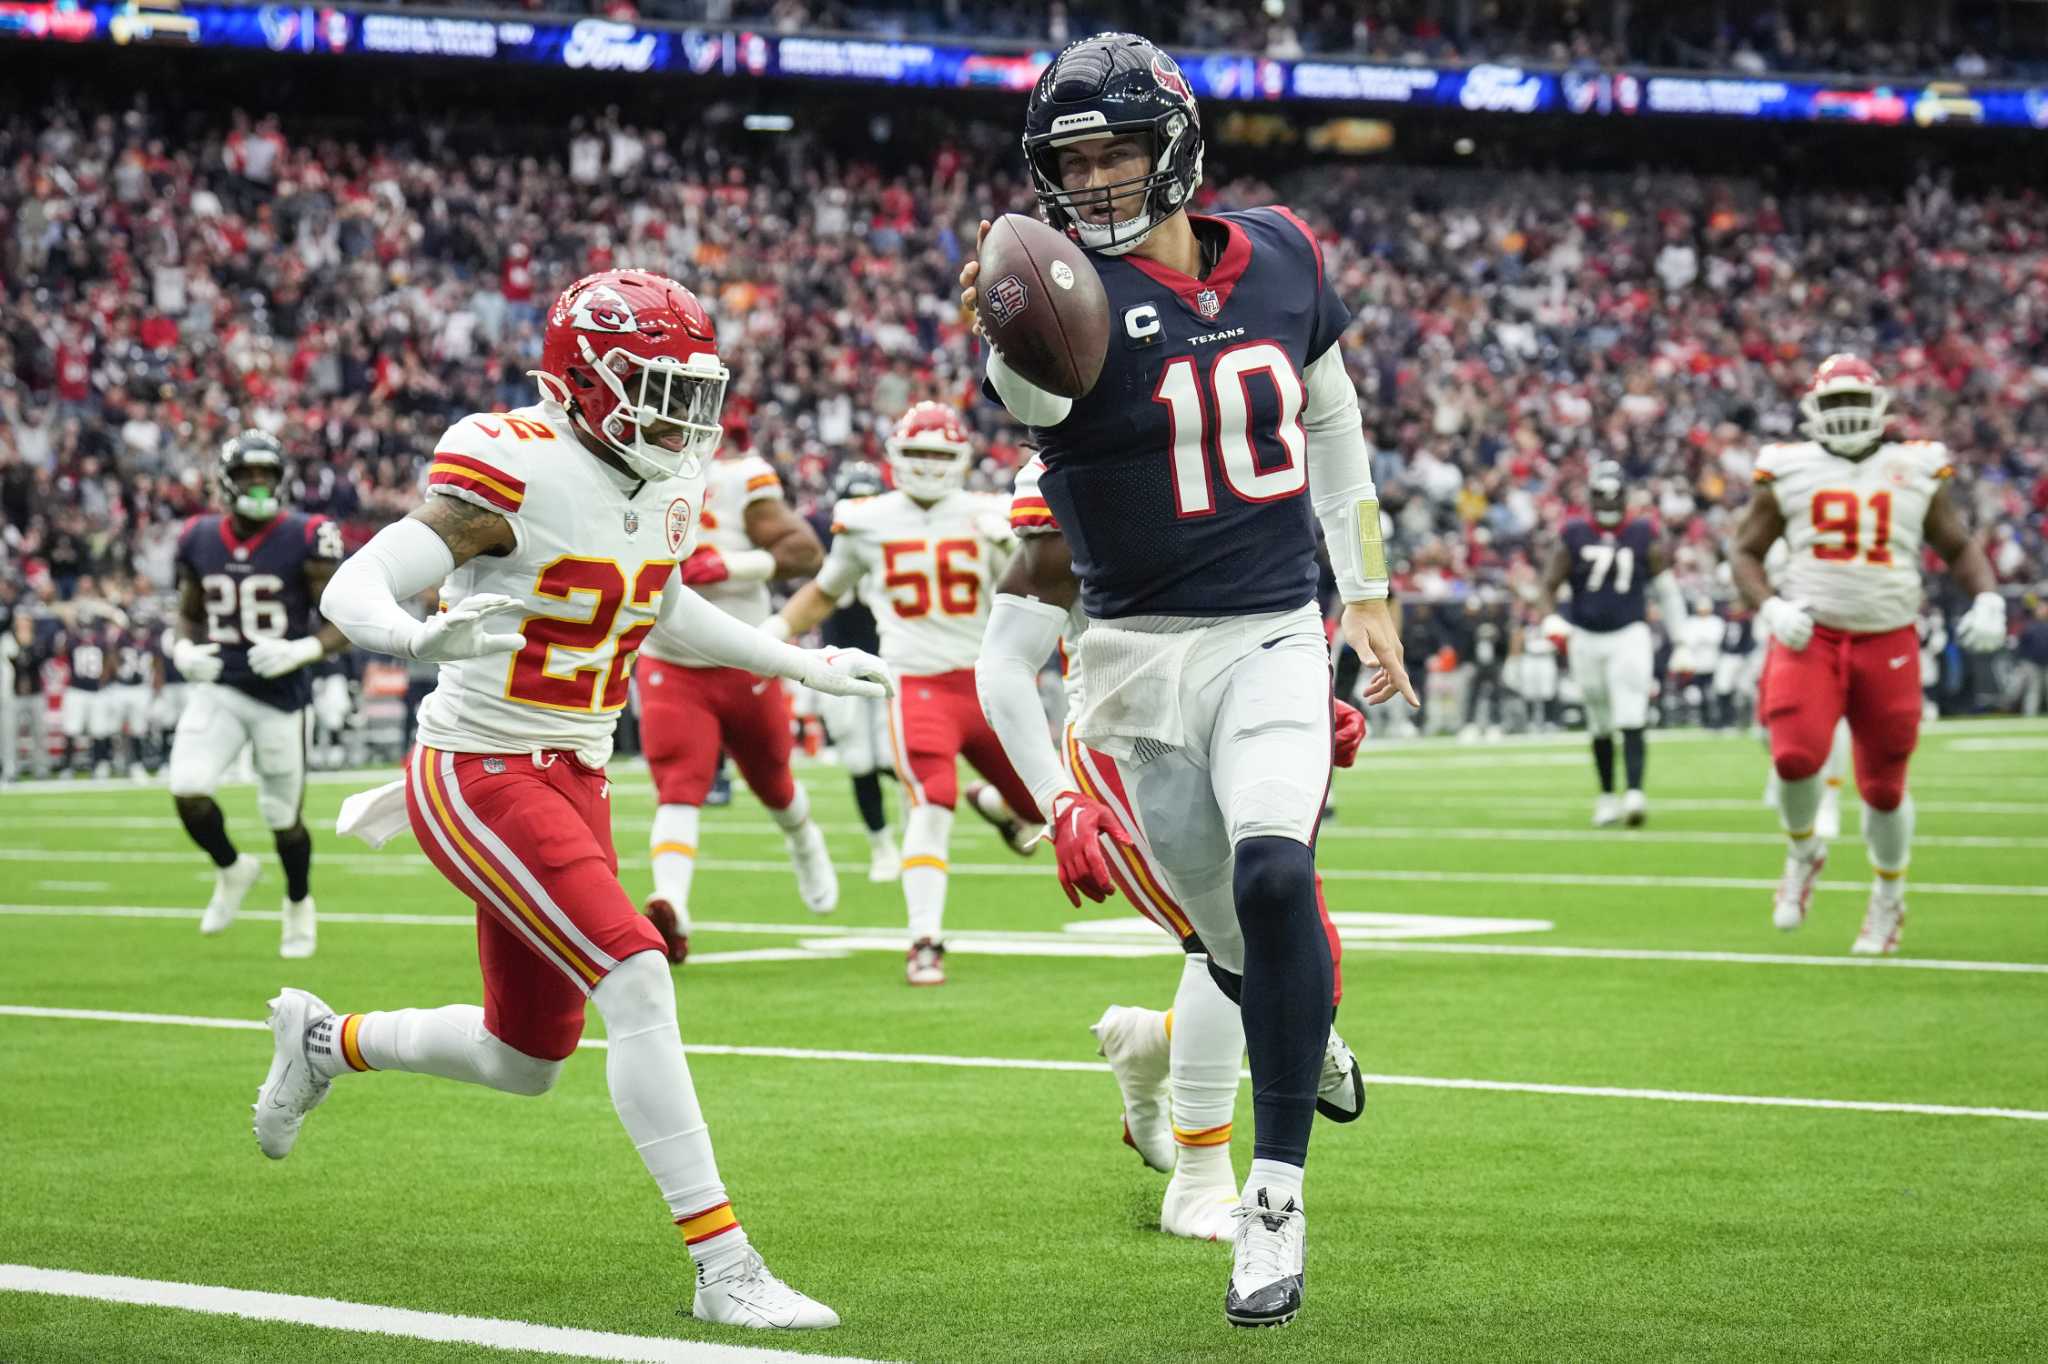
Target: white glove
(1555, 627)
(847, 672)
(1787, 621)
(1981, 629)
(464, 630)
(995, 528)
(194, 661)
(276, 657)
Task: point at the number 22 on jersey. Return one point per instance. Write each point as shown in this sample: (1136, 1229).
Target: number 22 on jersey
(600, 684)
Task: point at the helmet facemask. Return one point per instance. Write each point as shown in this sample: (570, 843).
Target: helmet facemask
(929, 471)
(1847, 418)
(664, 422)
(252, 476)
(1608, 496)
(1162, 191)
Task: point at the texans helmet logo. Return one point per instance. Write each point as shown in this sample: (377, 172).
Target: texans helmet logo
(1170, 79)
(602, 309)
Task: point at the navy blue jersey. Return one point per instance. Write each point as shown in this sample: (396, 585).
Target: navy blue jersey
(256, 589)
(89, 655)
(1609, 571)
(852, 626)
(1737, 635)
(1180, 481)
(135, 657)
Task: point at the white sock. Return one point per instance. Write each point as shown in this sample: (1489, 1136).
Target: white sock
(450, 1042)
(1205, 1050)
(925, 835)
(882, 839)
(794, 815)
(651, 1089)
(673, 851)
(1889, 836)
(1280, 1180)
(1798, 803)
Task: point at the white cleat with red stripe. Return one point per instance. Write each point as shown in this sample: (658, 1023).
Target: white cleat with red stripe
(1883, 922)
(1134, 1043)
(1795, 886)
(817, 884)
(1200, 1212)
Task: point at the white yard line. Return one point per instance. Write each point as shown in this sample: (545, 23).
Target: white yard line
(1140, 936)
(336, 1315)
(398, 864)
(1093, 1067)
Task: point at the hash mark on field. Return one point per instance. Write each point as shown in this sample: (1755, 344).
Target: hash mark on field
(906, 1058)
(74, 885)
(336, 1315)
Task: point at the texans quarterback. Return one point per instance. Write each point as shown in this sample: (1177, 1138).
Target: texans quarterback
(1176, 1070)
(1187, 486)
(931, 552)
(1854, 509)
(250, 584)
(1610, 558)
(567, 517)
(691, 710)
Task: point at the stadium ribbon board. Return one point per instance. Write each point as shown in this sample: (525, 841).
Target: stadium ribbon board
(609, 45)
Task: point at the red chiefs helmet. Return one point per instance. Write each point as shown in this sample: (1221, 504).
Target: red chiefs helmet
(929, 451)
(633, 358)
(1845, 406)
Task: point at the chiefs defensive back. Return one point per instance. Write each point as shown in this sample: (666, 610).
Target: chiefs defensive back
(1854, 510)
(567, 517)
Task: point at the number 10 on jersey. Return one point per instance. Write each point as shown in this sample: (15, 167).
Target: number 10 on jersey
(1180, 388)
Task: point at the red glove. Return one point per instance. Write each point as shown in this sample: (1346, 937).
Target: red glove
(1078, 827)
(704, 567)
(1349, 723)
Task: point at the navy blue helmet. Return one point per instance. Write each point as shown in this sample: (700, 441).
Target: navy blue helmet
(857, 478)
(1609, 490)
(252, 475)
(1114, 85)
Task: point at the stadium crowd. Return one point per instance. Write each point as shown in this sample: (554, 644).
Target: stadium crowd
(1751, 38)
(355, 297)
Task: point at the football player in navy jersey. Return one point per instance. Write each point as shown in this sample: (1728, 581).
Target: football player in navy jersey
(249, 585)
(1610, 559)
(1188, 485)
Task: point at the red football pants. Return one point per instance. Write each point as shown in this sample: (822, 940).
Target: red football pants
(527, 837)
(688, 714)
(1873, 679)
(936, 720)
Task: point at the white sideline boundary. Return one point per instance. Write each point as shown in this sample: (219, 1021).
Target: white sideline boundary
(335, 1315)
(406, 864)
(1140, 933)
(1097, 1067)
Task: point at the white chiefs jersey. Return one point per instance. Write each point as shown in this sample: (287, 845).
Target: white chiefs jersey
(1031, 514)
(595, 552)
(930, 573)
(1854, 528)
(730, 487)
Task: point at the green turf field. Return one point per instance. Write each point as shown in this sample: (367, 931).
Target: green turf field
(1606, 1199)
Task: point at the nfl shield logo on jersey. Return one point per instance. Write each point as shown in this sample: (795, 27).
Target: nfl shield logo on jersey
(632, 522)
(1207, 302)
(678, 524)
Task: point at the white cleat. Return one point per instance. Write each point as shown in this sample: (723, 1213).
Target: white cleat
(1635, 808)
(746, 1294)
(1200, 1212)
(1882, 924)
(885, 861)
(1133, 1041)
(230, 884)
(1340, 1094)
(925, 963)
(1795, 887)
(291, 1090)
(817, 884)
(301, 930)
(1606, 811)
(1266, 1262)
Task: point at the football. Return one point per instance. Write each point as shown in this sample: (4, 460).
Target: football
(1042, 305)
